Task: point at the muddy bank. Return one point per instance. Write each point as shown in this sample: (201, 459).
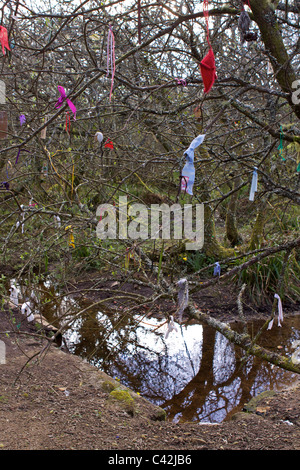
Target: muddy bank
(58, 401)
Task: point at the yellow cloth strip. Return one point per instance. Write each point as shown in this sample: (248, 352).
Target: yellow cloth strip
(143, 183)
(50, 159)
(71, 236)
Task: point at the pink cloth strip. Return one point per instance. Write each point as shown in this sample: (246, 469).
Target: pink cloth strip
(62, 98)
(111, 66)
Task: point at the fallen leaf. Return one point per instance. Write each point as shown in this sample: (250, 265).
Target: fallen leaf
(262, 410)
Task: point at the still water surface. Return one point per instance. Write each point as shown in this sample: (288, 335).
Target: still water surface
(194, 373)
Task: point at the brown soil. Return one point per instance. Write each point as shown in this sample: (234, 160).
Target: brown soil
(58, 401)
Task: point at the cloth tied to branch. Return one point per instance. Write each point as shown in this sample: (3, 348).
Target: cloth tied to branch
(183, 297)
(217, 269)
(208, 70)
(2, 92)
(247, 2)
(253, 188)
(20, 150)
(22, 119)
(171, 327)
(22, 216)
(139, 22)
(71, 236)
(188, 171)
(181, 81)
(109, 144)
(4, 39)
(62, 98)
(280, 146)
(68, 122)
(244, 24)
(57, 221)
(5, 184)
(111, 65)
(98, 137)
(207, 65)
(280, 313)
(189, 153)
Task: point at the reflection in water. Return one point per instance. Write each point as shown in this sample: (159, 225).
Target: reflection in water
(195, 373)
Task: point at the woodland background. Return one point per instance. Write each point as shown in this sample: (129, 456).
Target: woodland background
(251, 117)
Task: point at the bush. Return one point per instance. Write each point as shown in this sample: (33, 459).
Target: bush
(262, 278)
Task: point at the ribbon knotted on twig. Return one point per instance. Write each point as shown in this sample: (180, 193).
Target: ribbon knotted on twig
(20, 150)
(22, 119)
(188, 172)
(109, 144)
(207, 64)
(139, 22)
(62, 98)
(171, 327)
(4, 39)
(280, 313)
(217, 269)
(111, 66)
(181, 81)
(71, 236)
(5, 184)
(280, 147)
(253, 188)
(183, 297)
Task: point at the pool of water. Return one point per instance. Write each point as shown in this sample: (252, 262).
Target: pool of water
(194, 373)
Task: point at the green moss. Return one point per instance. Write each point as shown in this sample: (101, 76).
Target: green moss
(122, 395)
(108, 386)
(124, 399)
(212, 248)
(159, 415)
(257, 231)
(255, 401)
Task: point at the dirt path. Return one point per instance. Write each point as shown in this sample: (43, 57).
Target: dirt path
(61, 402)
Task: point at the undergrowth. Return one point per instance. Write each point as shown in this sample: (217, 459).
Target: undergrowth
(263, 279)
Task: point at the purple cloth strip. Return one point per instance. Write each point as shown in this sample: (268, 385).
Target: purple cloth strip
(22, 119)
(181, 81)
(62, 98)
(5, 184)
(20, 150)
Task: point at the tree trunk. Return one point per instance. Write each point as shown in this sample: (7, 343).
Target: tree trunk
(211, 247)
(258, 228)
(264, 16)
(230, 224)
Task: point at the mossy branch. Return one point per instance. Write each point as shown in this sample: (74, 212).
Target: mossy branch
(244, 341)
